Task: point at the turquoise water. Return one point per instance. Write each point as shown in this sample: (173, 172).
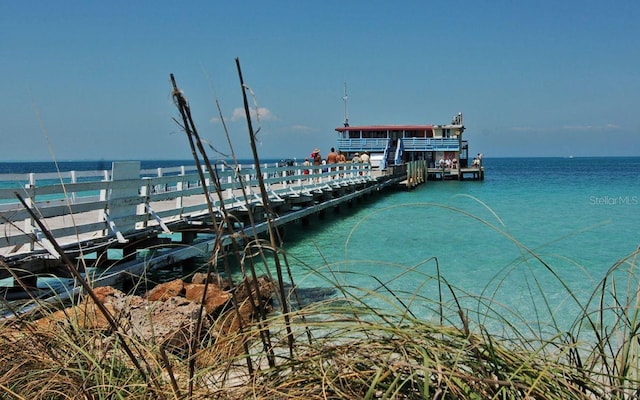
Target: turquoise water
(579, 216)
(529, 244)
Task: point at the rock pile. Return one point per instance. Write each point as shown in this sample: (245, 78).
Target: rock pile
(167, 315)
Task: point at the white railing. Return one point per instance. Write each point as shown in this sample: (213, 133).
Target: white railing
(431, 144)
(365, 144)
(125, 199)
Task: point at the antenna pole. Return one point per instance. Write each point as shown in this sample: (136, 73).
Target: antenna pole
(346, 106)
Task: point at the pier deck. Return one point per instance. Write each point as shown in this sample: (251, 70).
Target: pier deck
(109, 222)
(467, 173)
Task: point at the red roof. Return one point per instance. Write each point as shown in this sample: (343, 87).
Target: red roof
(385, 128)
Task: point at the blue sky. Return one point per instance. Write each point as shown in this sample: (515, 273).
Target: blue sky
(90, 80)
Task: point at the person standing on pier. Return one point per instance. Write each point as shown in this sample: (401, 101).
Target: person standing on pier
(306, 163)
(341, 159)
(332, 157)
(365, 157)
(317, 158)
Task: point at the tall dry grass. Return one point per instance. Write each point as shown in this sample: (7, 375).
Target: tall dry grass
(342, 348)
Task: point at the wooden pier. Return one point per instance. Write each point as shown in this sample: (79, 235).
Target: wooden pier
(475, 173)
(418, 172)
(125, 221)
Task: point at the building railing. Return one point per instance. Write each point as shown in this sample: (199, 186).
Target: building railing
(409, 144)
(431, 144)
(371, 145)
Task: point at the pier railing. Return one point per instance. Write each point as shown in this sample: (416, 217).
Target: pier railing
(80, 206)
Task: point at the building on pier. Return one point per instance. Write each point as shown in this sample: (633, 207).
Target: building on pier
(441, 146)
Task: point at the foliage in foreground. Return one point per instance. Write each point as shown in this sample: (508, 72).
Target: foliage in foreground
(333, 349)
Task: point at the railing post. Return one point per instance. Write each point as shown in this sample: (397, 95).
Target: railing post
(123, 171)
(145, 189)
(160, 174)
(287, 172)
(103, 197)
(247, 181)
(180, 187)
(74, 179)
(230, 188)
(29, 201)
(207, 177)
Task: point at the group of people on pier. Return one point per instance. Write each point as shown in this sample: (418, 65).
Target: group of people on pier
(332, 158)
(477, 161)
(448, 163)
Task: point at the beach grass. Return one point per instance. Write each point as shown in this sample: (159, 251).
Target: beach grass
(343, 348)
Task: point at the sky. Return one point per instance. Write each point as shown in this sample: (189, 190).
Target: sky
(86, 80)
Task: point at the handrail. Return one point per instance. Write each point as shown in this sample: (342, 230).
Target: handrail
(135, 201)
(383, 162)
(398, 157)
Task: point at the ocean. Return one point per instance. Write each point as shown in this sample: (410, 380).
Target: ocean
(528, 246)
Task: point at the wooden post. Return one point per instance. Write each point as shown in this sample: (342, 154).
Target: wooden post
(30, 201)
(180, 186)
(125, 175)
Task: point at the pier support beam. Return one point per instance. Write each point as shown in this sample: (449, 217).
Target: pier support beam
(27, 281)
(188, 237)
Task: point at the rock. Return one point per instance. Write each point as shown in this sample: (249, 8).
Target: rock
(229, 342)
(90, 317)
(168, 314)
(109, 295)
(84, 316)
(201, 278)
(261, 295)
(214, 302)
(170, 323)
(166, 291)
(87, 315)
(104, 292)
